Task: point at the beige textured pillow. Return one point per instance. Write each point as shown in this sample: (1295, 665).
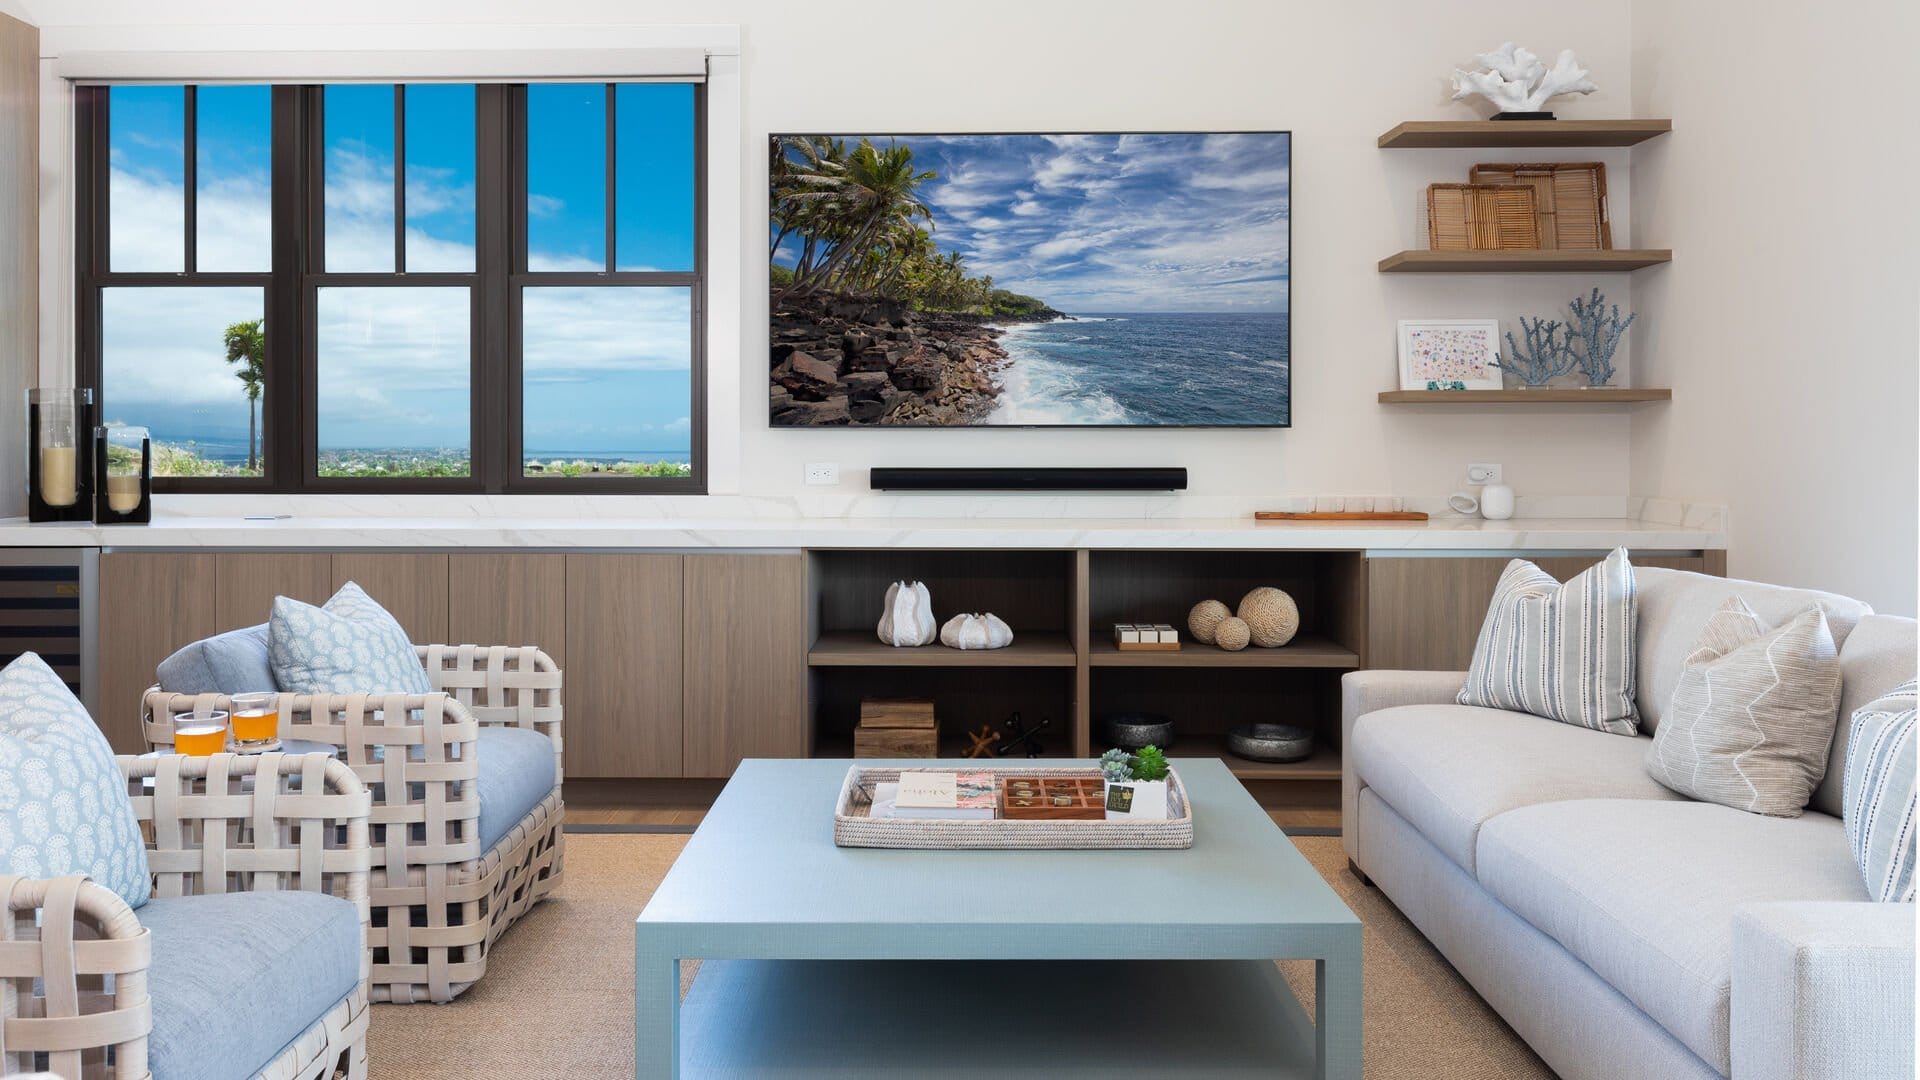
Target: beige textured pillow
(1753, 716)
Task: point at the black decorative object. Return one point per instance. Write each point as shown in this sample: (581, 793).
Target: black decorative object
(1270, 742)
(59, 454)
(1035, 479)
(123, 476)
(1023, 737)
(1522, 116)
(1133, 730)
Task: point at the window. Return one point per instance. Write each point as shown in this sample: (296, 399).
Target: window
(423, 287)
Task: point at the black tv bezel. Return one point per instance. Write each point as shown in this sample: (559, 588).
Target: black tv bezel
(1288, 132)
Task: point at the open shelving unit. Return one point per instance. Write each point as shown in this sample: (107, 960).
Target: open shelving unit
(1593, 395)
(1557, 134)
(1063, 665)
(1531, 261)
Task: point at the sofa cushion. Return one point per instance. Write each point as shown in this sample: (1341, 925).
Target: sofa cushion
(231, 663)
(63, 801)
(1449, 768)
(1645, 892)
(1875, 658)
(516, 772)
(351, 645)
(1752, 719)
(1880, 794)
(1675, 605)
(1565, 652)
(236, 977)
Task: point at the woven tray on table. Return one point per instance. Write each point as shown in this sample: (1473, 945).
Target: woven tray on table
(853, 828)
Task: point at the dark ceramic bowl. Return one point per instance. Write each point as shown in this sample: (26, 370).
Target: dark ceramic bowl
(1133, 730)
(1270, 742)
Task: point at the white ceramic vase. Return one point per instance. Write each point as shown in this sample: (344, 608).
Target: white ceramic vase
(907, 618)
(986, 631)
(1149, 801)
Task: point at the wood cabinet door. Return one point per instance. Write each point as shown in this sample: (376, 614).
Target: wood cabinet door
(413, 587)
(509, 599)
(1424, 614)
(746, 660)
(623, 676)
(151, 603)
(249, 580)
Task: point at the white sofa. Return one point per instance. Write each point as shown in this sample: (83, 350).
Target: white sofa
(1622, 929)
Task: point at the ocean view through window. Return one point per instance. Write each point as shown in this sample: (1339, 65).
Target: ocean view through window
(381, 287)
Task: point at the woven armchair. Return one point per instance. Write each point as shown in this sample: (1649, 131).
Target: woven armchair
(439, 901)
(74, 956)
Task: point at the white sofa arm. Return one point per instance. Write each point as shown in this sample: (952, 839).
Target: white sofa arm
(1362, 692)
(1823, 991)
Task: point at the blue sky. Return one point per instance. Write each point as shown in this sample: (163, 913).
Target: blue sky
(608, 368)
(1165, 223)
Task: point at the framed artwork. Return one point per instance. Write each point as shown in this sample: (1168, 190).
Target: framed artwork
(1449, 354)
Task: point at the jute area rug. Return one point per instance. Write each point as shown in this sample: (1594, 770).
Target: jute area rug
(558, 997)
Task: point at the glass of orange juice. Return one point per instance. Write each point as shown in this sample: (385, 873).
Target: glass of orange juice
(256, 722)
(200, 734)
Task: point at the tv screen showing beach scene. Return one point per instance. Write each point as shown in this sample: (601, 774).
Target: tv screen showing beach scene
(1066, 280)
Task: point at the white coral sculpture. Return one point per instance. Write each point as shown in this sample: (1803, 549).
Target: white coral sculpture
(1518, 82)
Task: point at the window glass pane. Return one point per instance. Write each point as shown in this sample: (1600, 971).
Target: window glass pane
(359, 141)
(164, 364)
(566, 176)
(440, 165)
(653, 148)
(147, 188)
(395, 382)
(609, 385)
(232, 178)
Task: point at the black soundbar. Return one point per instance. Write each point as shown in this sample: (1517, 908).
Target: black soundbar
(892, 479)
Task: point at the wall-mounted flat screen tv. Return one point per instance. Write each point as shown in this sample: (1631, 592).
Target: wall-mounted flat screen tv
(1068, 280)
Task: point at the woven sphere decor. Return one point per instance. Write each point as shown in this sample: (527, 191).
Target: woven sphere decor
(1204, 617)
(1231, 634)
(1271, 616)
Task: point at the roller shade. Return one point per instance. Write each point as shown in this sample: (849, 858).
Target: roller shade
(387, 66)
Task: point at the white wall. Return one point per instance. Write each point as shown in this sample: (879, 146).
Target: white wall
(1336, 74)
(1789, 322)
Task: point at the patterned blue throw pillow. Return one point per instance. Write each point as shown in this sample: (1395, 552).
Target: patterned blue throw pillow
(350, 646)
(63, 803)
(1880, 795)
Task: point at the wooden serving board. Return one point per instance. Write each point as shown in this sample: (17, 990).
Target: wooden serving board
(1340, 515)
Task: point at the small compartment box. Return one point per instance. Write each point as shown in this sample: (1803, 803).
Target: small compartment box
(1146, 637)
(896, 728)
(1053, 798)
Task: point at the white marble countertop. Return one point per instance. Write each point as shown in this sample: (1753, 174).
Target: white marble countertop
(1443, 533)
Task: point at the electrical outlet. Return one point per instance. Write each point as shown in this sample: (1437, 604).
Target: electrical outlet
(823, 473)
(1483, 474)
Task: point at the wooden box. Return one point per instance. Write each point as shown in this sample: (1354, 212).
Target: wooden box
(882, 712)
(1481, 217)
(896, 742)
(1053, 798)
(1569, 200)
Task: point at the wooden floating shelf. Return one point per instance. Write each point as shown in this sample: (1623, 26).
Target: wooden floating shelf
(1603, 395)
(1414, 261)
(1306, 651)
(859, 648)
(1443, 134)
(1323, 764)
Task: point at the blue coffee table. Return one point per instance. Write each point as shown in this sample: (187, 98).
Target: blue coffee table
(821, 961)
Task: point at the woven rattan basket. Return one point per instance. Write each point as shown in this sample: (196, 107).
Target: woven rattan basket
(853, 828)
(1569, 200)
(1481, 217)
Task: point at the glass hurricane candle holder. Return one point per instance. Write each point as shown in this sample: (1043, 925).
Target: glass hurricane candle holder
(123, 463)
(59, 452)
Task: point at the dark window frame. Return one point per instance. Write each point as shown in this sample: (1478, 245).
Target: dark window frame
(290, 412)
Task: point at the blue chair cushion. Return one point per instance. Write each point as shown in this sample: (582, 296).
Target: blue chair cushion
(231, 663)
(236, 977)
(516, 772)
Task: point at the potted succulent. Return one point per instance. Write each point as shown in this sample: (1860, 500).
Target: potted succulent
(1136, 784)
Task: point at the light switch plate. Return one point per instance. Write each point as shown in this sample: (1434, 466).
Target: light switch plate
(823, 473)
(1483, 474)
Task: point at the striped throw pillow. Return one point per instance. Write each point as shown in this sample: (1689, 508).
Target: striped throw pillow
(1565, 652)
(1751, 721)
(1879, 807)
